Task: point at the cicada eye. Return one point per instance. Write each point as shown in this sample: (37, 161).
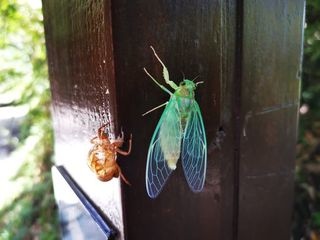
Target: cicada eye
(182, 83)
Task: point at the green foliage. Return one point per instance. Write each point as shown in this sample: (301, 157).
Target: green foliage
(310, 95)
(24, 82)
(306, 223)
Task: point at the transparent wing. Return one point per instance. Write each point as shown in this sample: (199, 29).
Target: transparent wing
(168, 130)
(194, 150)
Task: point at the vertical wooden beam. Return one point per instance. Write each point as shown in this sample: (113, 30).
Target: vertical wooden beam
(248, 55)
(193, 37)
(81, 68)
(272, 45)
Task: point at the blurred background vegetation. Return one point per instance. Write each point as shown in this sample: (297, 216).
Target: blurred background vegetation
(27, 208)
(306, 224)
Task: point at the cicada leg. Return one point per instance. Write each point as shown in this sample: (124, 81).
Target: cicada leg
(165, 71)
(123, 178)
(101, 131)
(125, 153)
(94, 140)
(155, 108)
(161, 86)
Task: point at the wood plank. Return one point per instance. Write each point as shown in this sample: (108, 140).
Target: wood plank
(272, 44)
(248, 55)
(81, 68)
(193, 37)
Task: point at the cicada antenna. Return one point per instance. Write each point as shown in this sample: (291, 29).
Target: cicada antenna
(195, 78)
(184, 77)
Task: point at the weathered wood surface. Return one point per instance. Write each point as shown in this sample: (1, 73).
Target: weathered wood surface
(190, 37)
(81, 68)
(270, 85)
(248, 55)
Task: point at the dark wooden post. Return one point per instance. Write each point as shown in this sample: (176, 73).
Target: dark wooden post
(270, 84)
(248, 55)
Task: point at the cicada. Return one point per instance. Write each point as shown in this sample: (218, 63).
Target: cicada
(102, 157)
(179, 132)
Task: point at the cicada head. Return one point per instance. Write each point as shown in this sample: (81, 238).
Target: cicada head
(188, 84)
(186, 88)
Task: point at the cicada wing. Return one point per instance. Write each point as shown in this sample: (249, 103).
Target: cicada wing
(194, 150)
(163, 143)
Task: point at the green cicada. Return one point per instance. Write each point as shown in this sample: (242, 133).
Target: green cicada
(180, 131)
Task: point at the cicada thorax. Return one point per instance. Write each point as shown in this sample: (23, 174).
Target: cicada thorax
(185, 98)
